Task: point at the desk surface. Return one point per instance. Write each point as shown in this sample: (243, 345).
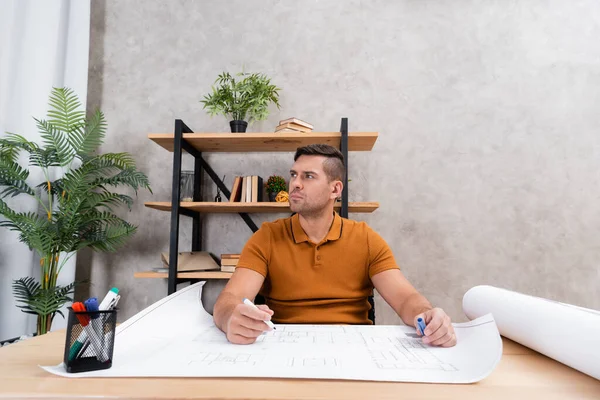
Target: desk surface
(521, 374)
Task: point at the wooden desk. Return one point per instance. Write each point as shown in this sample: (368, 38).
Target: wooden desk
(522, 374)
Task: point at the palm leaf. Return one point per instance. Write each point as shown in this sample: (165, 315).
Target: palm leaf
(129, 177)
(38, 157)
(102, 167)
(63, 112)
(93, 136)
(108, 200)
(55, 139)
(35, 231)
(114, 160)
(24, 290)
(39, 301)
(110, 238)
(18, 141)
(8, 151)
(103, 218)
(56, 187)
(44, 158)
(13, 177)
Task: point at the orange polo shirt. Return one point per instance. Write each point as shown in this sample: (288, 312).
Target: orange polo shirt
(324, 283)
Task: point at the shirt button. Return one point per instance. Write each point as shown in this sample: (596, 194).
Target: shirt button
(318, 257)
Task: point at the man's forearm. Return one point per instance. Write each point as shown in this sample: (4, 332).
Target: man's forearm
(414, 305)
(223, 309)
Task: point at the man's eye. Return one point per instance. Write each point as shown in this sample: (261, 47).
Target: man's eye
(309, 176)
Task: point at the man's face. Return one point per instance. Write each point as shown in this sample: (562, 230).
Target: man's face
(310, 189)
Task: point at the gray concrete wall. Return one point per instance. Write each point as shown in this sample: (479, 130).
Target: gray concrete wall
(487, 167)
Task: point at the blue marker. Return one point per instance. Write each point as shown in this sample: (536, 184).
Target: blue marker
(421, 325)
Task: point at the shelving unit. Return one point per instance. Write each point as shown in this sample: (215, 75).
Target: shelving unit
(183, 139)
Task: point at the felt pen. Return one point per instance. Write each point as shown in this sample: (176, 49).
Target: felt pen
(421, 325)
(109, 300)
(269, 323)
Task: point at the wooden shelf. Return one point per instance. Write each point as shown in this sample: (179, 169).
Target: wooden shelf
(259, 142)
(264, 207)
(185, 275)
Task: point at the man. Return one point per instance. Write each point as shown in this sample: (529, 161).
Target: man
(318, 268)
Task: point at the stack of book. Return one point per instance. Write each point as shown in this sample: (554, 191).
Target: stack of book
(294, 125)
(189, 261)
(229, 262)
(247, 189)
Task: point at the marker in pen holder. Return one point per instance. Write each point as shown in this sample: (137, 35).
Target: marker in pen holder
(90, 340)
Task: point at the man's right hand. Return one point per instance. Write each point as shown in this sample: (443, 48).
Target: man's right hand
(246, 323)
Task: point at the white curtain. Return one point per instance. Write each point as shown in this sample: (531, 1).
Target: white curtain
(43, 44)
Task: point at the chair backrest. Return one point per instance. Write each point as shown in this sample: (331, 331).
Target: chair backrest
(372, 310)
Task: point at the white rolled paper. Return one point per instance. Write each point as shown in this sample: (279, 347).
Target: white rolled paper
(566, 333)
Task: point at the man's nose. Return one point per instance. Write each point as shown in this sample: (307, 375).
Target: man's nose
(295, 183)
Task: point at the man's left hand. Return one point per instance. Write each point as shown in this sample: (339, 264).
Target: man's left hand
(439, 330)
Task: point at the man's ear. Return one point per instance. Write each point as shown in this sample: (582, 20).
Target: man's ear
(336, 189)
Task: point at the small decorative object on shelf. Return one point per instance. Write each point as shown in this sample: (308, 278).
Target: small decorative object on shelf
(218, 196)
(275, 184)
(248, 97)
(187, 186)
(282, 197)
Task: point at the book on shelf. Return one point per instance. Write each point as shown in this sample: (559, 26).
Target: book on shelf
(189, 261)
(292, 127)
(288, 130)
(230, 255)
(297, 122)
(236, 190)
(247, 189)
(229, 262)
(248, 197)
(244, 189)
(257, 189)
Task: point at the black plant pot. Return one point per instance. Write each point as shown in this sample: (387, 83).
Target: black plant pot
(238, 126)
(272, 196)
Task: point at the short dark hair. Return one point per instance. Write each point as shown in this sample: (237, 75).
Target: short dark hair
(333, 165)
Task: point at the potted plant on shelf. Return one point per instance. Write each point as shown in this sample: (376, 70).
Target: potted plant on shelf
(247, 97)
(78, 207)
(275, 184)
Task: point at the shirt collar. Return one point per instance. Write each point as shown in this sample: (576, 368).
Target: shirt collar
(335, 231)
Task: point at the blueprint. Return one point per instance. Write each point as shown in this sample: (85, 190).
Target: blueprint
(177, 338)
(564, 332)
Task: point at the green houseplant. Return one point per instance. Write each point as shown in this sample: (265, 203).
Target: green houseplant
(247, 97)
(78, 207)
(274, 185)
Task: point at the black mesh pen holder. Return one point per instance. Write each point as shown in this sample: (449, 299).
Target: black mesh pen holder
(90, 340)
